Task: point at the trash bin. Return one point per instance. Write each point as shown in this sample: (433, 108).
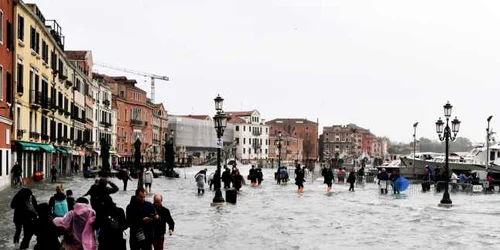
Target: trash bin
(231, 196)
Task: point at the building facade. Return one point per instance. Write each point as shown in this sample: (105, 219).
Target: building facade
(160, 130)
(6, 83)
(43, 94)
(301, 128)
(351, 140)
(251, 135)
(291, 148)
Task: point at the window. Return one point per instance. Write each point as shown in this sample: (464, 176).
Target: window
(243, 150)
(9, 88)
(243, 128)
(32, 38)
(18, 120)
(10, 38)
(1, 35)
(249, 151)
(1, 77)
(244, 141)
(237, 128)
(20, 69)
(7, 136)
(7, 164)
(20, 28)
(237, 140)
(45, 52)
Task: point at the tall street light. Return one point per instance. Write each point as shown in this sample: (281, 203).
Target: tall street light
(220, 123)
(446, 134)
(279, 149)
(414, 147)
(488, 134)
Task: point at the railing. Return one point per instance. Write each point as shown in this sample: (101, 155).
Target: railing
(136, 122)
(34, 135)
(106, 102)
(106, 124)
(46, 103)
(20, 133)
(36, 98)
(256, 145)
(45, 137)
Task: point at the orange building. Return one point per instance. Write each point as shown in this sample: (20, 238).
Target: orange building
(291, 148)
(301, 128)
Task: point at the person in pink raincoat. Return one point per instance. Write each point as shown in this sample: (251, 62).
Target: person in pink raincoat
(78, 223)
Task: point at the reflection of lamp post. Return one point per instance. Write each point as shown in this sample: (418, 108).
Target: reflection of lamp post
(445, 134)
(488, 134)
(220, 123)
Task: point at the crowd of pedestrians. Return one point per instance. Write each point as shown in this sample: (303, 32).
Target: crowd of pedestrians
(66, 223)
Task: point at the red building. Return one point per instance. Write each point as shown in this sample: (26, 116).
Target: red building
(134, 116)
(6, 79)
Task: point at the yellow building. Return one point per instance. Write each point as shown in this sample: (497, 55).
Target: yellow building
(43, 94)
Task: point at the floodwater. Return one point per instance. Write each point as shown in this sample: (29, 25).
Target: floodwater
(277, 217)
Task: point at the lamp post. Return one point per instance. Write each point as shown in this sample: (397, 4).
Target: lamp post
(279, 149)
(414, 147)
(488, 134)
(220, 123)
(446, 134)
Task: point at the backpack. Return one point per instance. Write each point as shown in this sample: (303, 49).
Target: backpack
(60, 208)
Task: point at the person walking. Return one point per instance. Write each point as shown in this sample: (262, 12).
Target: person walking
(70, 199)
(111, 223)
(58, 203)
(140, 216)
(162, 218)
(383, 181)
(148, 179)
(53, 174)
(24, 204)
(238, 180)
(299, 178)
(46, 232)
(226, 178)
(201, 179)
(328, 178)
(394, 176)
(260, 176)
(78, 226)
(351, 179)
(98, 193)
(16, 174)
(125, 177)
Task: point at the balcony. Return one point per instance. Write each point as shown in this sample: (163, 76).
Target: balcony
(68, 84)
(106, 124)
(67, 113)
(256, 145)
(62, 77)
(79, 143)
(34, 135)
(45, 137)
(20, 133)
(35, 99)
(106, 102)
(60, 109)
(256, 132)
(137, 123)
(46, 104)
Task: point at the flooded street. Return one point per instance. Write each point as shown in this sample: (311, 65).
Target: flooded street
(277, 217)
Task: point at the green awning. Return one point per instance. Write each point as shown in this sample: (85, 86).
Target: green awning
(28, 146)
(70, 151)
(61, 150)
(48, 148)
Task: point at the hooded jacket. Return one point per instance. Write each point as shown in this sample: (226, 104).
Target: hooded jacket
(135, 214)
(79, 221)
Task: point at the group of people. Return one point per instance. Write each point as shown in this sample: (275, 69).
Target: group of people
(328, 176)
(227, 177)
(67, 223)
(255, 176)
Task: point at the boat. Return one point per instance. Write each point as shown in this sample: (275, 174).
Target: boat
(475, 160)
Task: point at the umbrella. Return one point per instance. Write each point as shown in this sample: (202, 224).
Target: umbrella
(401, 184)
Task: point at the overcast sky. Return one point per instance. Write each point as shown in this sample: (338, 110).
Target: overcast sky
(380, 64)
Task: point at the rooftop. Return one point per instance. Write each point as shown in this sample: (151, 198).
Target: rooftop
(76, 55)
(290, 121)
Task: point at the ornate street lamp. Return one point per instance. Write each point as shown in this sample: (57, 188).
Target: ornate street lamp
(220, 123)
(279, 149)
(414, 147)
(446, 134)
(488, 134)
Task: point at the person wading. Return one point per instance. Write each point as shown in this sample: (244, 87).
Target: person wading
(299, 179)
(140, 216)
(162, 218)
(24, 204)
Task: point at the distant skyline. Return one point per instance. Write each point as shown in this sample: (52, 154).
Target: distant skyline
(382, 65)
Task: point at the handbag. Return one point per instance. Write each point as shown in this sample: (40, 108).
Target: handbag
(139, 235)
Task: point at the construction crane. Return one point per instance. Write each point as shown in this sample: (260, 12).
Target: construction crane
(152, 76)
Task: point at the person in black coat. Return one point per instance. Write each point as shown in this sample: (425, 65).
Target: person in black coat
(299, 178)
(162, 218)
(99, 193)
(351, 180)
(24, 204)
(260, 176)
(226, 177)
(328, 178)
(47, 234)
(111, 222)
(140, 216)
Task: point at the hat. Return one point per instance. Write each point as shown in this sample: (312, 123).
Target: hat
(383, 169)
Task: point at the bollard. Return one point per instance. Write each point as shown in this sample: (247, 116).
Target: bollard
(231, 196)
